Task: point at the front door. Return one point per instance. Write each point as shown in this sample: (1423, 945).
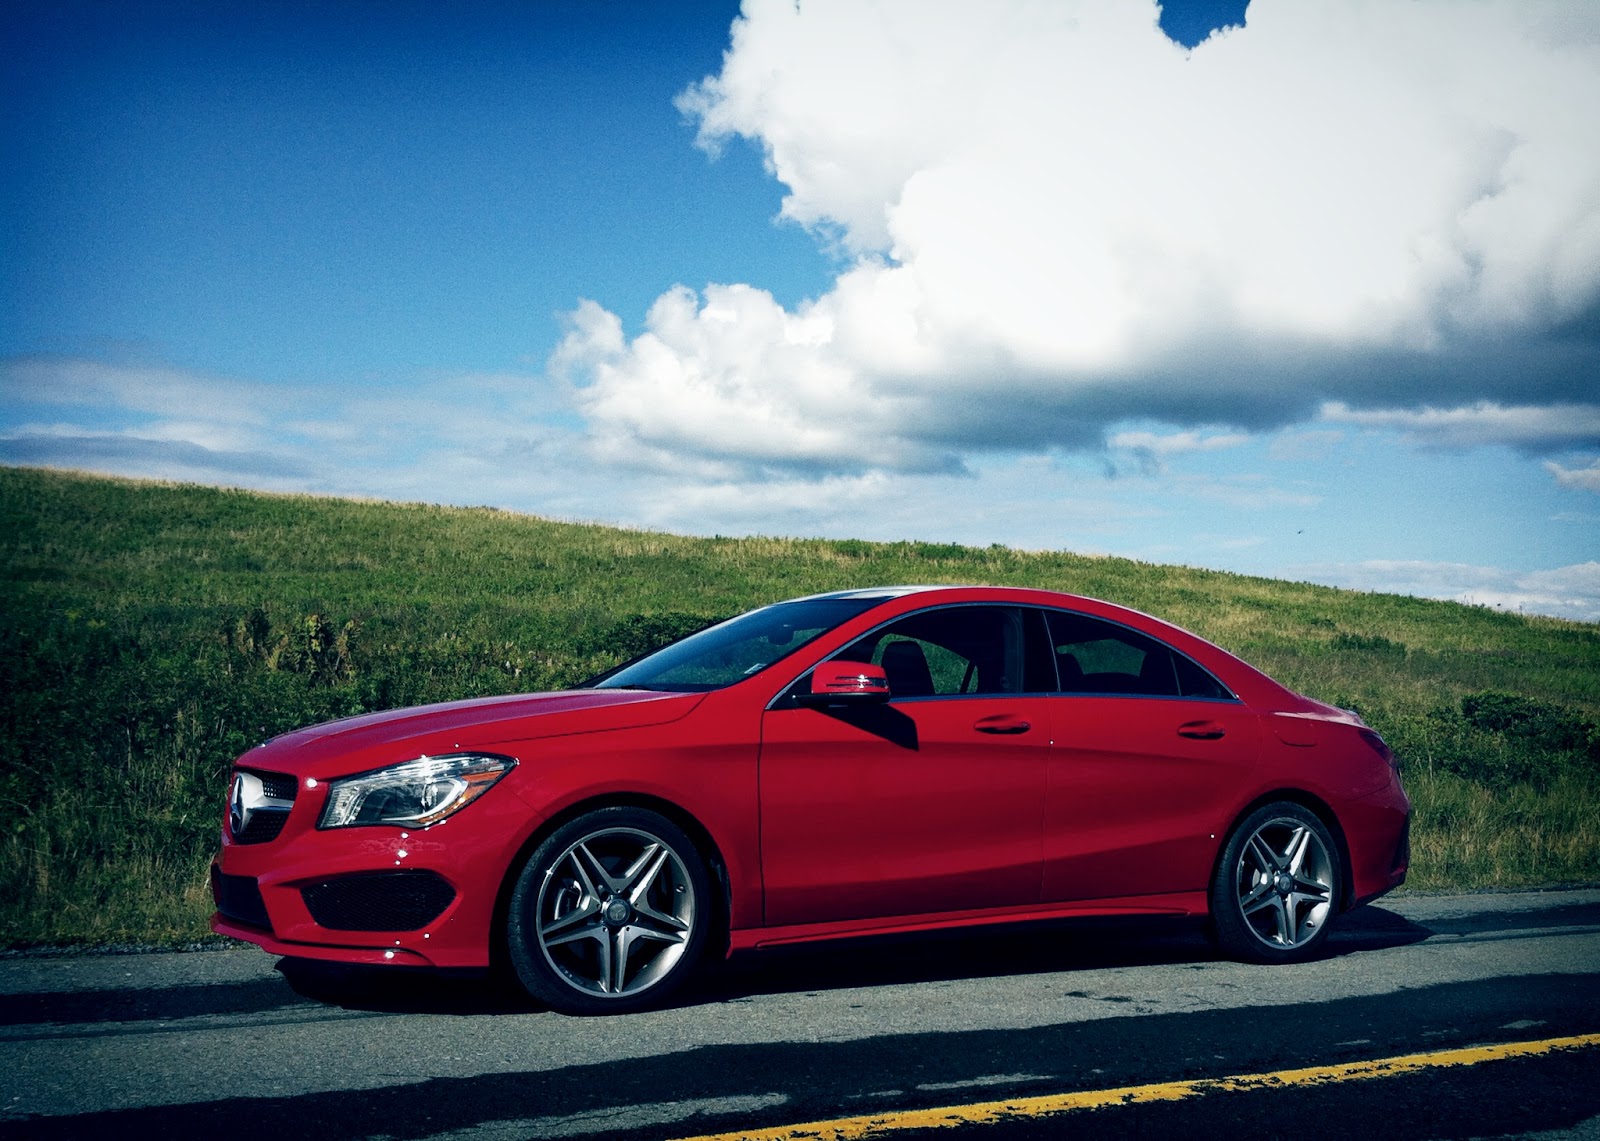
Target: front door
(930, 803)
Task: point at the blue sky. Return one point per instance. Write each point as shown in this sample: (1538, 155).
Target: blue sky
(1316, 297)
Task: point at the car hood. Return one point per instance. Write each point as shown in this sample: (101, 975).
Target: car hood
(357, 743)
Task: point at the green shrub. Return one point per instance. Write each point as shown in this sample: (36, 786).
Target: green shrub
(1540, 724)
(1499, 740)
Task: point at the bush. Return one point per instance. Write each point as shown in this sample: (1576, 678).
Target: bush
(1501, 740)
(1539, 723)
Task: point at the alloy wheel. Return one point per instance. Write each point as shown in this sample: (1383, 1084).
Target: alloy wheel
(615, 912)
(1285, 882)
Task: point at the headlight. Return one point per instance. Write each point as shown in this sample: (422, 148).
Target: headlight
(414, 794)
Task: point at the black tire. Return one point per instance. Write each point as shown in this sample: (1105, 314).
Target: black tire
(1277, 886)
(610, 913)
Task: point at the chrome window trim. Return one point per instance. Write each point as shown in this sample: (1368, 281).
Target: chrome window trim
(1232, 698)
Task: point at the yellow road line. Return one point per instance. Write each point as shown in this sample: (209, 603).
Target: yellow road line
(983, 1113)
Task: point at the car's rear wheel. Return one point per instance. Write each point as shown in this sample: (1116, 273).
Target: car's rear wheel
(609, 913)
(1276, 888)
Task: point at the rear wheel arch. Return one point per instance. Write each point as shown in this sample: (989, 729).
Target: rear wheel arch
(1278, 882)
(1323, 812)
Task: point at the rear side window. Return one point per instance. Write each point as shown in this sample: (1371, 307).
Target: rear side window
(1195, 681)
(1096, 656)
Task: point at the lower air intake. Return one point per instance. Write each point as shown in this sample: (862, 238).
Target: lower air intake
(239, 899)
(379, 901)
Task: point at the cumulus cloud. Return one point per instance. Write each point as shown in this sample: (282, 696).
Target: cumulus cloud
(1052, 218)
(1565, 592)
(731, 383)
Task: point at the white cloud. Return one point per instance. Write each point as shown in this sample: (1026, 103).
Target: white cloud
(1529, 427)
(1566, 592)
(1152, 448)
(154, 390)
(424, 440)
(772, 507)
(1175, 444)
(1054, 218)
(1584, 478)
(731, 381)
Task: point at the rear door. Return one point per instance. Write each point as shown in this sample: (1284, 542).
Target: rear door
(1151, 753)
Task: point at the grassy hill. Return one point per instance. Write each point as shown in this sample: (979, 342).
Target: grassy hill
(151, 632)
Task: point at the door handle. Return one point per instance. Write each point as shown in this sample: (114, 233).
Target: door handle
(1002, 724)
(1201, 730)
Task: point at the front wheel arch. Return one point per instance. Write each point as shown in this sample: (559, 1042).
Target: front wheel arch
(610, 913)
(716, 944)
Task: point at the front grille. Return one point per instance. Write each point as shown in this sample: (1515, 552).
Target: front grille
(379, 901)
(279, 786)
(238, 898)
(264, 825)
(259, 804)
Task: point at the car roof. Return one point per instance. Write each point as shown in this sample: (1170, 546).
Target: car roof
(885, 592)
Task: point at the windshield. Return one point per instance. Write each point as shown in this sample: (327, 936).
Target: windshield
(737, 648)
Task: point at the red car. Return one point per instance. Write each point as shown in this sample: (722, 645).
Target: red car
(861, 762)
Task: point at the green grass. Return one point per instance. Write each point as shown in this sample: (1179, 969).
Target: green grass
(151, 632)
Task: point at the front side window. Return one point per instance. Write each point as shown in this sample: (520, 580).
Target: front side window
(951, 651)
(1096, 656)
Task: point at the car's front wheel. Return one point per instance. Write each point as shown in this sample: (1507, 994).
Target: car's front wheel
(609, 913)
(1276, 888)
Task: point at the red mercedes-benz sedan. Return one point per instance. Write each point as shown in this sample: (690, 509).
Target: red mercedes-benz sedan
(846, 764)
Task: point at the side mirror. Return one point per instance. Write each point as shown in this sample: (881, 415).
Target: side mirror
(847, 683)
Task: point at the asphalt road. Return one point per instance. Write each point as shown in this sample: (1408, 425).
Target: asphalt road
(239, 1045)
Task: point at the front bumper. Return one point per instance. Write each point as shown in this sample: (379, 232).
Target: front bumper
(373, 894)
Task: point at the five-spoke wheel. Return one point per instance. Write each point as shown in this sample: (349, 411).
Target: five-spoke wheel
(1276, 887)
(609, 913)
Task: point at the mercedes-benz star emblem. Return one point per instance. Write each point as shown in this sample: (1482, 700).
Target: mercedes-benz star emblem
(247, 795)
(238, 810)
